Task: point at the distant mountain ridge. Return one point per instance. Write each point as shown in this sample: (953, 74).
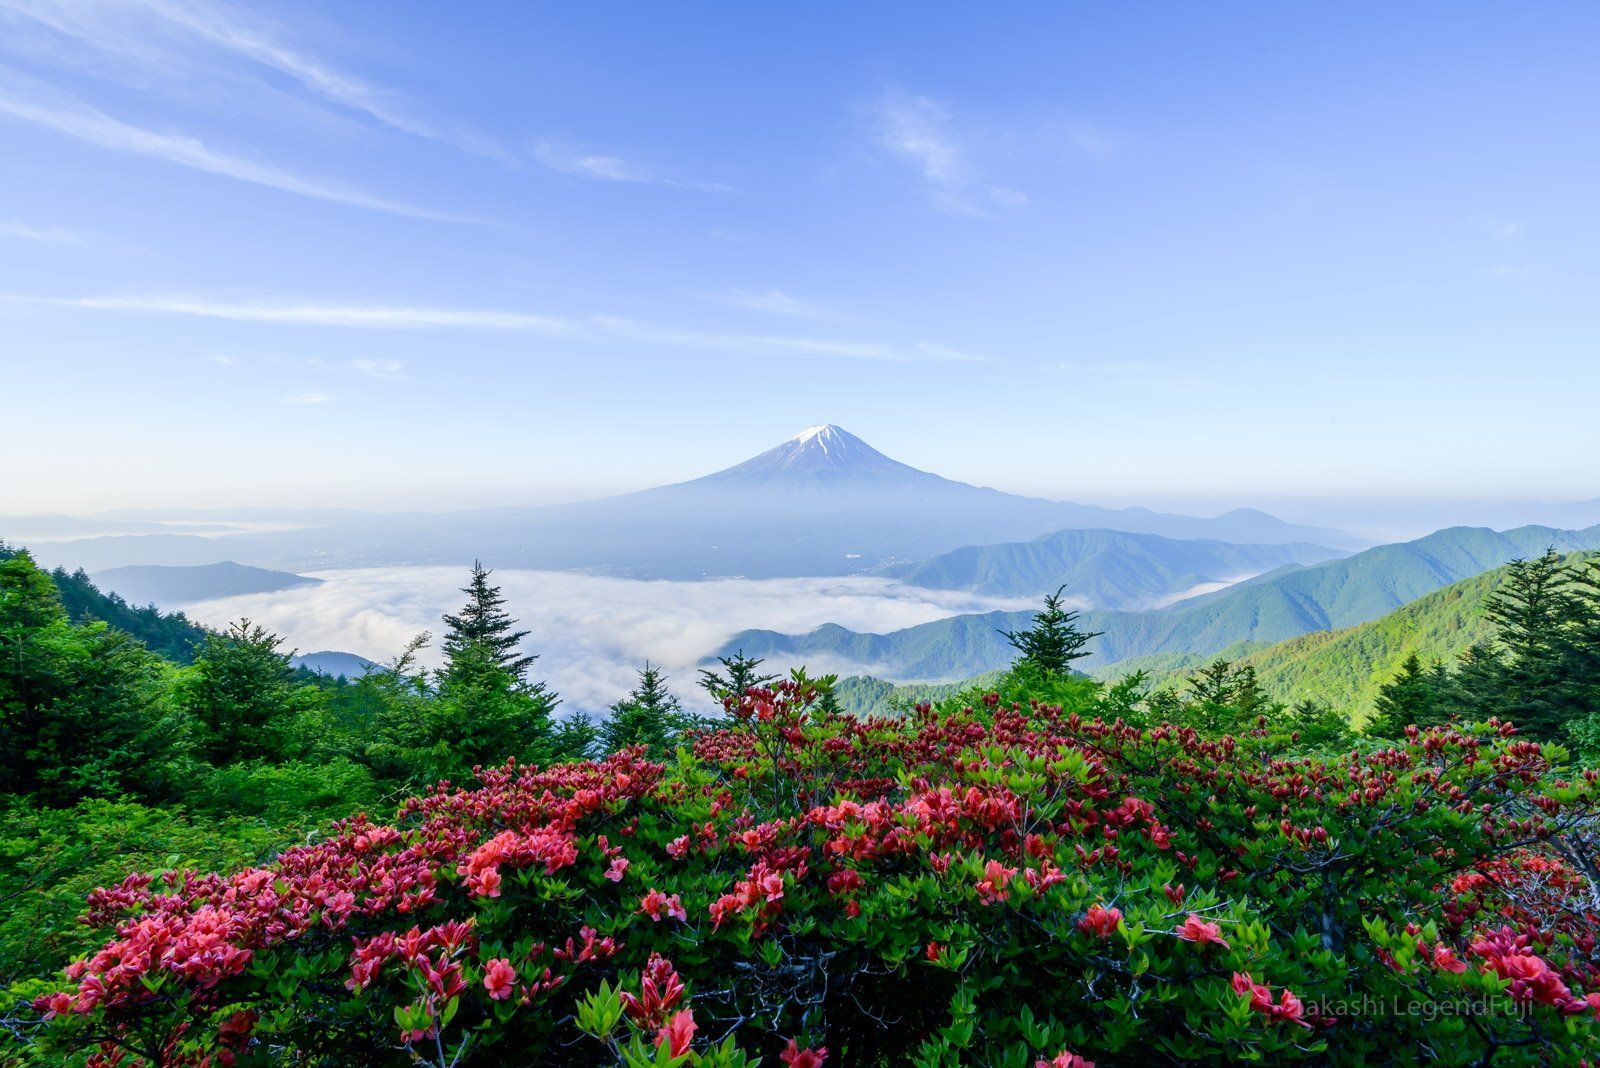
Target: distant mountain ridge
(168, 586)
(1103, 568)
(823, 503)
(1284, 604)
(334, 664)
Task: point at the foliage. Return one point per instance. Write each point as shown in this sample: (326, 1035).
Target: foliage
(1002, 882)
(1053, 641)
(240, 695)
(650, 717)
(1543, 669)
(743, 673)
(51, 858)
(1413, 696)
(483, 632)
(82, 708)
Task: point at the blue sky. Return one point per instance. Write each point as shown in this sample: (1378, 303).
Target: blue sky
(431, 256)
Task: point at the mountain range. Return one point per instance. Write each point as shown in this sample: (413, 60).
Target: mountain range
(1279, 605)
(823, 503)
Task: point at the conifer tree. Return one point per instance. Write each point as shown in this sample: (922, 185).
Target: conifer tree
(1224, 698)
(575, 738)
(650, 715)
(484, 626)
(486, 709)
(1054, 641)
(1408, 698)
(1542, 669)
(83, 709)
(743, 674)
(242, 695)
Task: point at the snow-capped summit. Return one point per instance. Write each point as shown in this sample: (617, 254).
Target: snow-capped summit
(822, 434)
(819, 457)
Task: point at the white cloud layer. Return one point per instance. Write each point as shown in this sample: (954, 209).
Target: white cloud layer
(591, 632)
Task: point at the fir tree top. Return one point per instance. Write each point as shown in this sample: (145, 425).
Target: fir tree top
(1054, 641)
(484, 624)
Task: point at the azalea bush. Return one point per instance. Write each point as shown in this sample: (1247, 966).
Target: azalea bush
(998, 880)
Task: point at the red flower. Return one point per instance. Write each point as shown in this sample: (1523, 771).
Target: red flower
(677, 1033)
(655, 904)
(498, 978)
(1100, 921)
(1200, 932)
(1064, 1059)
(1288, 1007)
(618, 866)
(660, 990)
(795, 1057)
(995, 886)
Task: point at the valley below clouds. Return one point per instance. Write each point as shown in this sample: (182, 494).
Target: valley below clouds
(591, 632)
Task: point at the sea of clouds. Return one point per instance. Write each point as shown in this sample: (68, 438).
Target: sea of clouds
(591, 632)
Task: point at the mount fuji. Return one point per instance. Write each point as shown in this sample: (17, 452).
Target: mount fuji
(822, 503)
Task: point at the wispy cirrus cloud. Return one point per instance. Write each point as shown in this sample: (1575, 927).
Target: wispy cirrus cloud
(598, 328)
(388, 370)
(582, 163)
(143, 41)
(28, 100)
(200, 52)
(934, 350)
(921, 132)
(49, 235)
(372, 316)
(771, 302)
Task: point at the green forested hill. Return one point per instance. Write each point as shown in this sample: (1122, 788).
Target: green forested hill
(863, 695)
(1102, 568)
(171, 634)
(1283, 604)
(1344, 668)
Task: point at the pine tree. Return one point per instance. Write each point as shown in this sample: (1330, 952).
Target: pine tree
(650, 716)
(1054, 641)
(242, 695)
(575, 738)
(1408, 698)
(83, 708)
(1223, 699)
(742, 675)
(1537, 614)
(486, 710)
(484, 624)
(1581, 660)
